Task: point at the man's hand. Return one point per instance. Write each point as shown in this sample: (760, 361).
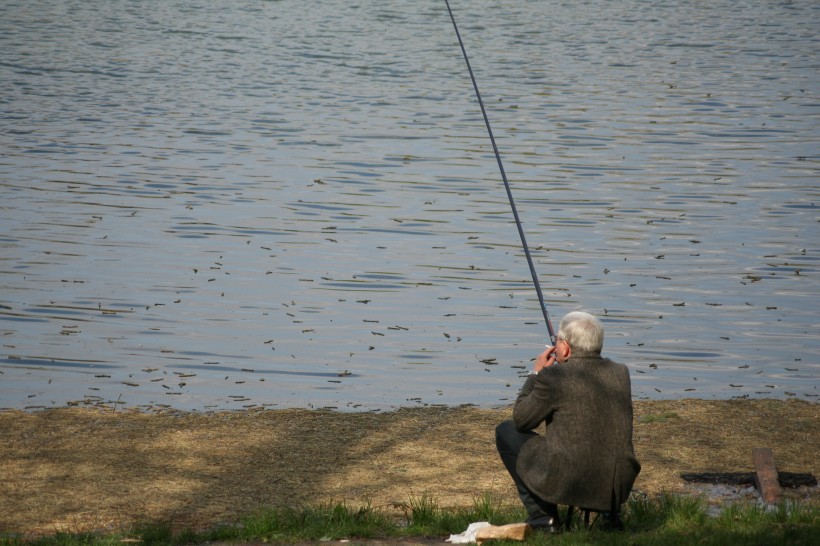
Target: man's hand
(545, 359)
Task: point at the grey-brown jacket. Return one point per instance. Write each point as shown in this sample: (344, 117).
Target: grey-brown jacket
(585, 458)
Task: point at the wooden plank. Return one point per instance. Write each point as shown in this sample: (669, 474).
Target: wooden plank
(786, 479)
(512, 531)
(766, 475)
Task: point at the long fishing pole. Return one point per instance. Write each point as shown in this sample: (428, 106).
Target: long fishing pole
(506, 182)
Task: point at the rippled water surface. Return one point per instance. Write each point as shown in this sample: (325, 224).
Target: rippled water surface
(229, 204)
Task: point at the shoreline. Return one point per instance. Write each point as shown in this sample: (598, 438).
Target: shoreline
(75, 469)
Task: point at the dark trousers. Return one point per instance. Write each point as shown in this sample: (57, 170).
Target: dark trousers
(509, 442)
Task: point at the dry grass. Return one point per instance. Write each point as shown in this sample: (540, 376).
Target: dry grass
(75, 469)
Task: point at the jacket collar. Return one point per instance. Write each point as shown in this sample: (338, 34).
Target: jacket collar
(584, 354)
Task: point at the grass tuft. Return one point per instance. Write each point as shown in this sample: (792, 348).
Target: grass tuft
(424, 511)
(489, 507)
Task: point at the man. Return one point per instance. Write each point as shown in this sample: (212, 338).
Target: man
(585, 458)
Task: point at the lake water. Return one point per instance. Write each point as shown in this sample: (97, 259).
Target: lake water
(231, 204)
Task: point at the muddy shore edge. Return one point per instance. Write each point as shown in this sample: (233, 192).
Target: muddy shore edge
(73, 469)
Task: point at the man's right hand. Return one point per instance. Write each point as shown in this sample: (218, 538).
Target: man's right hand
(545, 359)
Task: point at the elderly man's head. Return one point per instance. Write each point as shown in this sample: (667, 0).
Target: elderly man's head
(582, 331)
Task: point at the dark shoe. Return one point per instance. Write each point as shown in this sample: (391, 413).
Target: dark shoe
(608, 521)
(544, 524)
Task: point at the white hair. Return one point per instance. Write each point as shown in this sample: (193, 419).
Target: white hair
(582, 331)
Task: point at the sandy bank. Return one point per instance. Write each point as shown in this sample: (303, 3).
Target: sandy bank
(76, 468)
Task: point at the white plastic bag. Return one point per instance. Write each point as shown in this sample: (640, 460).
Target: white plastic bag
(468, 536)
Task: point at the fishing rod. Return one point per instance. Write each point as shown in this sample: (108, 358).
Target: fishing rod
(506, 182)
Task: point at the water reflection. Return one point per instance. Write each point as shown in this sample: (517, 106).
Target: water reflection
(252, 204)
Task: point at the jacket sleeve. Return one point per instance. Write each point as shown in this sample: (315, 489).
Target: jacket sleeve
(534, 404)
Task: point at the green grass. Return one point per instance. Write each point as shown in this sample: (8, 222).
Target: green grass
(658, 417)
(665, 521)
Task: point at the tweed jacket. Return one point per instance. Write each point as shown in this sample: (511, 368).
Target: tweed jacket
(585, 458)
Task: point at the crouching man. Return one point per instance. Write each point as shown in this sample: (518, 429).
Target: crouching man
(584, 458)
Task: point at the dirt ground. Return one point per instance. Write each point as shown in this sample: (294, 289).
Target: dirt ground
(74, 469)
